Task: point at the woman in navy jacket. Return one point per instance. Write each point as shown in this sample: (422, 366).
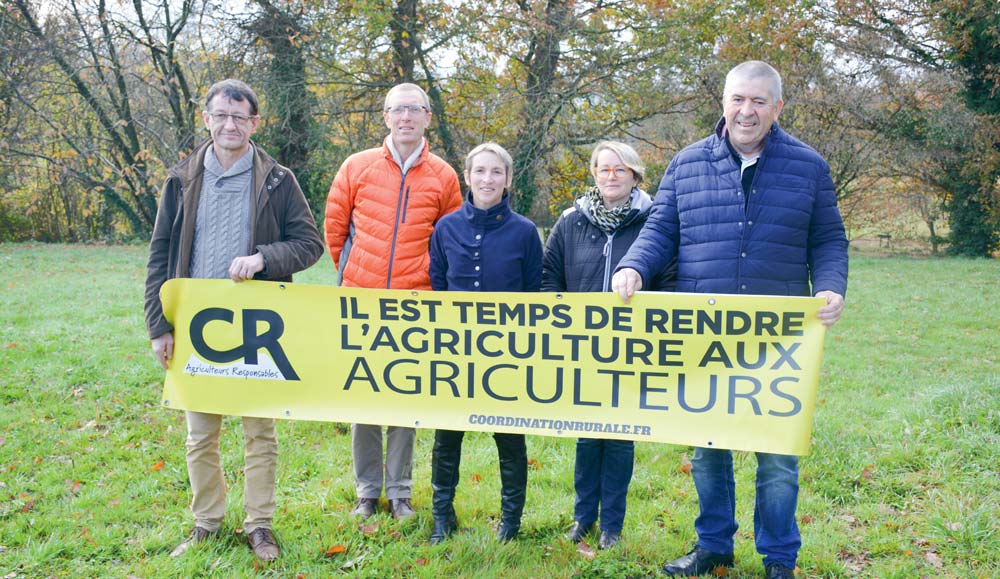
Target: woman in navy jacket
(582, 252)
(484, 246)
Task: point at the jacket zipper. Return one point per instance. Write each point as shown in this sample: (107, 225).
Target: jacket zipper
(406, 203)
(607, 261)
(395, 228)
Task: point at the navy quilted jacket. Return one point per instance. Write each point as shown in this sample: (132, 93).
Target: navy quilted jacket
(787, 236)
(492, 250)
(580, 257)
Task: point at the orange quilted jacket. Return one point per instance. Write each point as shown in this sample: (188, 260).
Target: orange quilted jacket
(378, 224)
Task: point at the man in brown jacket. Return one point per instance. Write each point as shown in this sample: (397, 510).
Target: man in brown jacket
(252, 222)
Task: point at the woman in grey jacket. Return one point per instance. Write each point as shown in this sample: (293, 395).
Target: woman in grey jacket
(582, 251)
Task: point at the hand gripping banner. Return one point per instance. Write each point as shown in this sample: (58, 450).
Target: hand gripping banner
(720, 371)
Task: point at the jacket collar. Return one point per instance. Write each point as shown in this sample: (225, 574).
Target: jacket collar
(387, 152)
(722, 145)
(487, 218)
(190, 169)
(641, 204)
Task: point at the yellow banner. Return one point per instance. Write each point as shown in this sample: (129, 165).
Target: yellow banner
(717, 371)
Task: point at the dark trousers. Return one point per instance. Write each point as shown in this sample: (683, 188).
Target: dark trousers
(445, 461)
(602, 475)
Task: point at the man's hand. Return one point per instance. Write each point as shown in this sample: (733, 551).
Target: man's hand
(163, 348)
(626, 282)
(830, 313)
(244, 268)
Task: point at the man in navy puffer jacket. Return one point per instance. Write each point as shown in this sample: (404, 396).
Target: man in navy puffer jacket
(748, 210)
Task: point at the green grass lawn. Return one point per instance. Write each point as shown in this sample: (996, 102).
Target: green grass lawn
(903, 480)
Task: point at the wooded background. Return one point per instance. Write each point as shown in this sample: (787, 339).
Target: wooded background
(98, 97)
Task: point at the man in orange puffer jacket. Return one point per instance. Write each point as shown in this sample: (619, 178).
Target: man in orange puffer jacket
(380, 213)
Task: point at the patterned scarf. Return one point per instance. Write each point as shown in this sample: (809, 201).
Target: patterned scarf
(608, 220)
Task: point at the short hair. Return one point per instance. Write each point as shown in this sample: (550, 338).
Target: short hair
(407, 86)
(626, 153)
(496, 150)
(232, 89)
(752, 69)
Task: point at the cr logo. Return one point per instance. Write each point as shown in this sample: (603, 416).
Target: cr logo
(252, 342)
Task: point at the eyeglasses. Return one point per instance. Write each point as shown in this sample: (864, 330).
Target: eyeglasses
(400, 110)
(240, 120)
(620, 172)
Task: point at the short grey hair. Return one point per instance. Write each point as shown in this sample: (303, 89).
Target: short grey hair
(496, 150)
(232, 89)
(626, 153)
(752, 69)
(407, 87)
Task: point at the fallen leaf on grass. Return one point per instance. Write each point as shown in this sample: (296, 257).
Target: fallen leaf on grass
(352, 563)
(584, 549)
(954, 526)
(158, 465)
(476, 477)
(805, 519)
(686, 465)
(335, 550)
(301, 576)
(369, 529)
(75, 487)
(866, 473)
(85, 534)
(533, 464)
(933, 560)
(421, 562)
(28, 505)
(720, 571)
(11, 346)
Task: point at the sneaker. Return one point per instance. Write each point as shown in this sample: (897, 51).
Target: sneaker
(578, 531)
(365, 508)
(263, 544)
(608, 539)
(197, 535)
(401, 508)
(697, 562)
(780, 572)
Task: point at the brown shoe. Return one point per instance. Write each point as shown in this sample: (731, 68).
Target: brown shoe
(263, 544)
(365, 508)
(401, 508)
(197, 535)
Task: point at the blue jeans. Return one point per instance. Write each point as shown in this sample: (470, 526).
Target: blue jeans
(603, 473)
(775, 529)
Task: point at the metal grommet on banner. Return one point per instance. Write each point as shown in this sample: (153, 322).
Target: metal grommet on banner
(414, 293)
(166, 403)
(559, 296)
(288, 413)
(711, 301)
(281, 286)
(416, 424)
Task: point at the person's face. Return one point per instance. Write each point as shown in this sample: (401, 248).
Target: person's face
(487, 178)
(614, 179)
(230, 123)
(750, 111)
(407, 117)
